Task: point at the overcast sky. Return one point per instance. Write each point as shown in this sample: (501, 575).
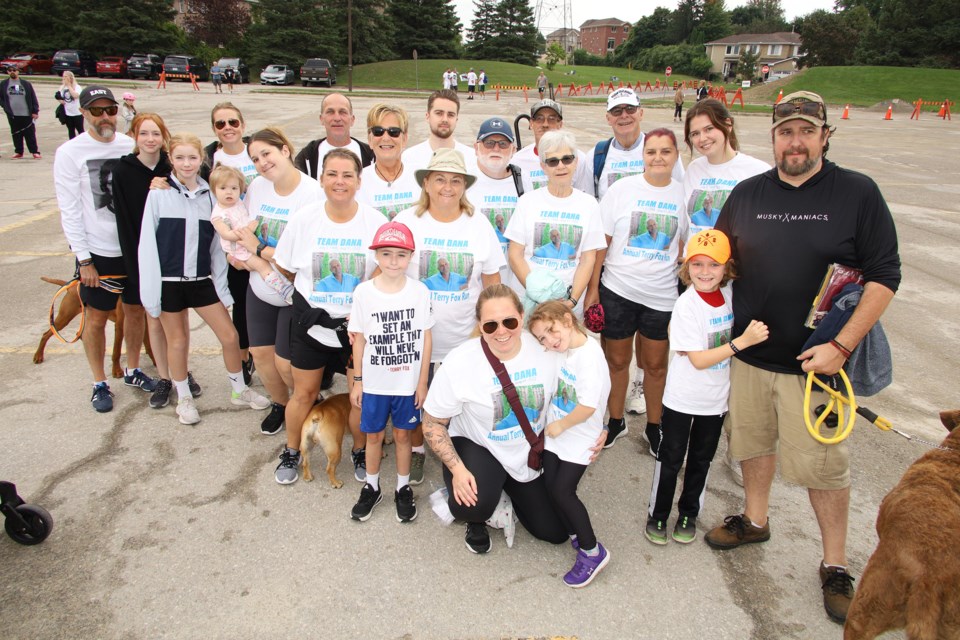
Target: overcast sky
(584, 10)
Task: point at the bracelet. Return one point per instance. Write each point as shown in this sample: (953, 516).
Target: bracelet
(733, 347)
(358, 378)
(260, 248)
(85, 263)
(842, 349)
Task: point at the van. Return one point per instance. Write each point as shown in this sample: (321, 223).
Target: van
(179, 67)
(80, 62)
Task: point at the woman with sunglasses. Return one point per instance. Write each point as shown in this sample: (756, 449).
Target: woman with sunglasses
(386, 186)
(645, 223)
(556, 229)
(272, 198)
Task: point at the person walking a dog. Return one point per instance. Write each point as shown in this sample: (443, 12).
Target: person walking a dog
(786, 227)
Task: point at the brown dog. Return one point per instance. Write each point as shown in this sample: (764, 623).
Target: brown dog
(70, 308)
(912, 580)
(325, 425)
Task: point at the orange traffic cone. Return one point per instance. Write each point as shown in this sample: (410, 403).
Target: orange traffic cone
(943, 110)
(846, 113)
(889, 115)
(779, 97)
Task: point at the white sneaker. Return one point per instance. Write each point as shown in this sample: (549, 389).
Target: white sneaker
(187, 411)
(636, 403)
(250, 398)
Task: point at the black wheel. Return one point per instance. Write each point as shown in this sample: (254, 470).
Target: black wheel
(39, 525)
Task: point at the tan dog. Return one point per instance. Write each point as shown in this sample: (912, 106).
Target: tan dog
(325, 425)
(913, 578)
(70, 308)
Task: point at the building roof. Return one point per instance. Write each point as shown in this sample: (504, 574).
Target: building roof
(781, 37)
(559, 33)
(613, 22)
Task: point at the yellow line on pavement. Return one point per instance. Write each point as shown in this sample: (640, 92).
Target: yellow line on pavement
(30, 220)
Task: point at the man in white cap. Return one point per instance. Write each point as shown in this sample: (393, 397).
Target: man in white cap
(443, 110)
(547, 115)
(82, 173)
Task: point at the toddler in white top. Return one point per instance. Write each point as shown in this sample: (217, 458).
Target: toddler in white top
(230, 214)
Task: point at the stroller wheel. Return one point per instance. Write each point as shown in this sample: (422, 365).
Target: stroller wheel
(39, 524)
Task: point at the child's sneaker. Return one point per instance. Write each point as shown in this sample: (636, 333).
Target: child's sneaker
(359, 464)
(250, 398)
(288, 471)
(416, 467)
(685, 531)
(161, 395)
(656, 531)
(195, 389)
(141, 380)
(187, 411)
(406, 505)
(477, 538)
(586, 568)
(369, 498)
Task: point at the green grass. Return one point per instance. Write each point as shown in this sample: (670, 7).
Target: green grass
(866, 86)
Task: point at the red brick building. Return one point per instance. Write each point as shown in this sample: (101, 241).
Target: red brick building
(601, 37)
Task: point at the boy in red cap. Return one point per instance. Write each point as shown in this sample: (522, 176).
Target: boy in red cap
(390, 329)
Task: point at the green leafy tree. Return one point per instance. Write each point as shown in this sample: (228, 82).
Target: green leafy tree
(686, 59)
(289, 32)
(218, 22)
(429, 26)
(555, 54)
(831, 39)
(147, 26)
(747, 64)
(516, 35)
(714, 25)
(759, 16)
(480, 36)
(685, 19)
(29, 26)
(649, 31)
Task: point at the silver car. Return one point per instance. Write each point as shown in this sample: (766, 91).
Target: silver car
(276, 74)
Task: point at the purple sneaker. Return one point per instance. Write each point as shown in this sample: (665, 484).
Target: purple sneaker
(586, 568)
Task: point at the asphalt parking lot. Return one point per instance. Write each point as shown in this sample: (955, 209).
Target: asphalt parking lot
(167, 531)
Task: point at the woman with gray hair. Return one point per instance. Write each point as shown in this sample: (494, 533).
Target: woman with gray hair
(556, 231)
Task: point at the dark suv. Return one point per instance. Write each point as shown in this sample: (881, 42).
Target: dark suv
(317, 70)
(80, 62)
(144, 65)
(237, 65)
(179, 67)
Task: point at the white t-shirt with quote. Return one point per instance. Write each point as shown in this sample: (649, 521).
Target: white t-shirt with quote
(583, 379)
(716, 181)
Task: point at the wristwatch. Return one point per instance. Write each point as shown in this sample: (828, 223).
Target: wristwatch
(260, 248)
(570, 295)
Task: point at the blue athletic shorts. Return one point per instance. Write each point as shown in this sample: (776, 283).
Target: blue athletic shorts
(376, 409)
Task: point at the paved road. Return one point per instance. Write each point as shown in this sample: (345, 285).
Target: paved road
(166, 531)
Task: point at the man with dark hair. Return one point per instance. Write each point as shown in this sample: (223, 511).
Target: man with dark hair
(19, 102)
(336, 116)
(443, 110)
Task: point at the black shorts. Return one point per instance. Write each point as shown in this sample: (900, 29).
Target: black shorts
(101, 299)
(267, 325)
(623, 318)
(309, 354)
(187, 294)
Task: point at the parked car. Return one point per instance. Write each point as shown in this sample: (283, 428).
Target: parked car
(238, 65)
(80, 62)
(317, 70)
(179, 67)
(113, 66)
(144, 65)
(28, 63)
(277, 74)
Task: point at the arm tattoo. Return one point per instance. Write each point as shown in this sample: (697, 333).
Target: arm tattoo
(436, 434)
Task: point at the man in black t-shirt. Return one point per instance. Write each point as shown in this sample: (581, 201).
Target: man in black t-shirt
(786, 226)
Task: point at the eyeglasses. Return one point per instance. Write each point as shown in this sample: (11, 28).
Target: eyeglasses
(551, 119)
(510, 324)
(616, 112)
(566, 160)
(395, 132)
(805, 108)
(492, 144)
(96, 112)
(233, 122)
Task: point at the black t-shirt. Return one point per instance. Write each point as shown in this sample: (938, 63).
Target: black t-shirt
(783, 238)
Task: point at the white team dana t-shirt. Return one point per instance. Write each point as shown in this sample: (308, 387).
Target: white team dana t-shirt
(555, 231)
(272, 213)
(621, 163)
(330, 259)
(715, 181)
(584, 379)
(495, 200)
(240, 161)
(388, 198)
(647, 226)
(394, 325)
(466, 390)
(696, 326)
(466, 248)
(418, 157)
(534, 178)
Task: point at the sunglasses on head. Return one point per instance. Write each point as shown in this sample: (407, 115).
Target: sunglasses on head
(509, 324)
(616, 112)
(395, 132)
(96, 112)
(566, 160)
(805, 108)
(233, 122)
(492, 144)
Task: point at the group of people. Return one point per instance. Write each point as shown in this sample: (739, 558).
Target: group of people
(476, 82)
(414, 269)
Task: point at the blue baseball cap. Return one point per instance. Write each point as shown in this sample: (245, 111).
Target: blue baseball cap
(495, 126)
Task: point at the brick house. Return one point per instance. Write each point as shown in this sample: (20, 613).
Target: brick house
(569, 39)
(780, 51)
(601, 37)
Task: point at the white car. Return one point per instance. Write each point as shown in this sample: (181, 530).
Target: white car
(276, 74)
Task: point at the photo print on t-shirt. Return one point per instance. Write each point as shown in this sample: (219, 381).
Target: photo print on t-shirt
(556, 244)
(499, 219)
(445, 270)
(651, 230)
(337, 272)
(100, 172)
(623, 169)
(704, 208)
(565, 398)
(718, 339)
(531, 399)
(269, 230)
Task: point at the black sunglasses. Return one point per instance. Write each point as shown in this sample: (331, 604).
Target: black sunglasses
(395, 132)
(96, 112)
(616, 112)
(566, 160)
(806, 108)
(233, 122)
(492, 144)
(508, 323)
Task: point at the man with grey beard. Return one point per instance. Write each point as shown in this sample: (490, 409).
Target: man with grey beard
(82, 172)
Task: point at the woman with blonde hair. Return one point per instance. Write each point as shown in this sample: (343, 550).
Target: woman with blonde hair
(69, 96)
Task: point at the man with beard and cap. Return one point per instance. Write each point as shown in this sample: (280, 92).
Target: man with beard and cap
(443, 109)
(547, 115)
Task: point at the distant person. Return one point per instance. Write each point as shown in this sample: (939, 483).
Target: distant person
(678, 99)
(702, 93)
(216, 77)
(19, 102)
(454, 80)
(336, 116)
(231, 76)
(471, 83)
(69, 96)
(446, 78)
(482, 84)
(127, 112)
(541, 84)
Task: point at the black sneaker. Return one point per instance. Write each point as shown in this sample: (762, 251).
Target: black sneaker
(406, 505)
(195, 389)
(359, 464)
(614, 431)
(369, 498)
(272, 424)
(477, 538)
(652, 435)
(161, 395)
(248, 369)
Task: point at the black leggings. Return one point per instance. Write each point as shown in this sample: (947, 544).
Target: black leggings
(697, 438)
(562, 478)
(530, 500)
(237, 281)
(74, 126)
(676, 110)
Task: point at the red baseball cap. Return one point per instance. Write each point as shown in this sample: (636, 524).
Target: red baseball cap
(393, 234)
